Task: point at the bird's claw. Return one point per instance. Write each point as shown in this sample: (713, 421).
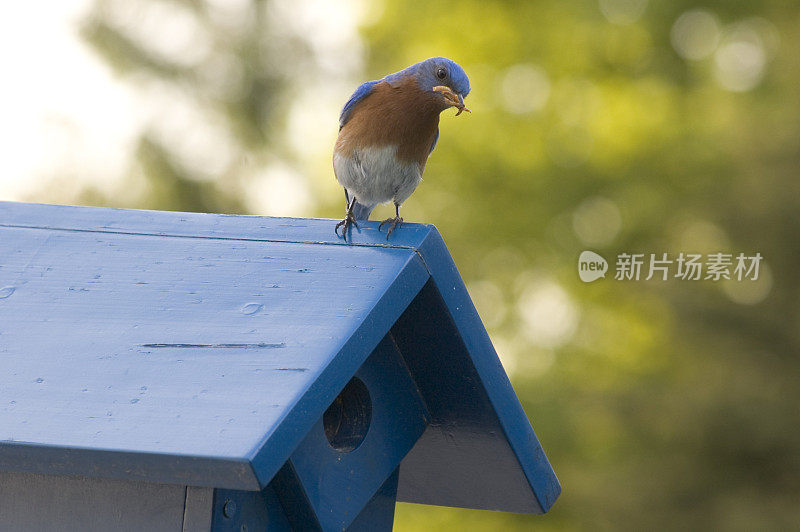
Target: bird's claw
(347, 222)
(395, 222)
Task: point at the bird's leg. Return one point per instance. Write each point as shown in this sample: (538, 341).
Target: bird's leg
(396, 221)
(349, 219)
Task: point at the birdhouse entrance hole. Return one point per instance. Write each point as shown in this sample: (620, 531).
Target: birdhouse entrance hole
(347, 420)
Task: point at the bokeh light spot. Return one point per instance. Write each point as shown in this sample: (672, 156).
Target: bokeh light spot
(548, 314)
(695, 35)
(525, 88)
(749, 291)
(701, 236)
(741, 59)
(597, 221)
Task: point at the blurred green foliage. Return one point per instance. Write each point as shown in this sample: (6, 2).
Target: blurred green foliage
(617, 126)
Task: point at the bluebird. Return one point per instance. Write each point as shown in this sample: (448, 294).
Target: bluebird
(387, 130)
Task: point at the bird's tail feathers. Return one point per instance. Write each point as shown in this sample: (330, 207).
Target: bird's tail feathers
(362, 212)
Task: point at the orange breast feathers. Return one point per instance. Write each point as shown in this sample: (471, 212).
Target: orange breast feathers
(399, 114)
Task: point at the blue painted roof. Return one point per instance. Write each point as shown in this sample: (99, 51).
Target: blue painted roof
(199, 349)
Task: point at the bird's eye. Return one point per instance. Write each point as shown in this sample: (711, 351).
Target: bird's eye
(441, 73)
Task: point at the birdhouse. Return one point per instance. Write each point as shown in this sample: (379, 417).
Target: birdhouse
(175, 371)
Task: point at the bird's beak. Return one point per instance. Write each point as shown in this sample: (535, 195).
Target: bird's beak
(453, 99)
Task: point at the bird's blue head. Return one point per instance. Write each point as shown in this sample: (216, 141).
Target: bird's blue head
(438, 71)
(442, 75)
(446, 77)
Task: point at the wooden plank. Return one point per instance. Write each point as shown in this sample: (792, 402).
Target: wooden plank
(197, 509)
(31, 502)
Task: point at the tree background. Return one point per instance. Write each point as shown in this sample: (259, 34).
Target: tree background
(611, 125)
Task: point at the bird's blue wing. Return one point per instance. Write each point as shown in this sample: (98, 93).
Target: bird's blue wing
(435, 140)
(361, 92)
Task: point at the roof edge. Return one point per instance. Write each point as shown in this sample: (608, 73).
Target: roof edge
(166, 468)
(203, 225)
(520, 436)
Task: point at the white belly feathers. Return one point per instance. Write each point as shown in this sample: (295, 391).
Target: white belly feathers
(374, 175)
